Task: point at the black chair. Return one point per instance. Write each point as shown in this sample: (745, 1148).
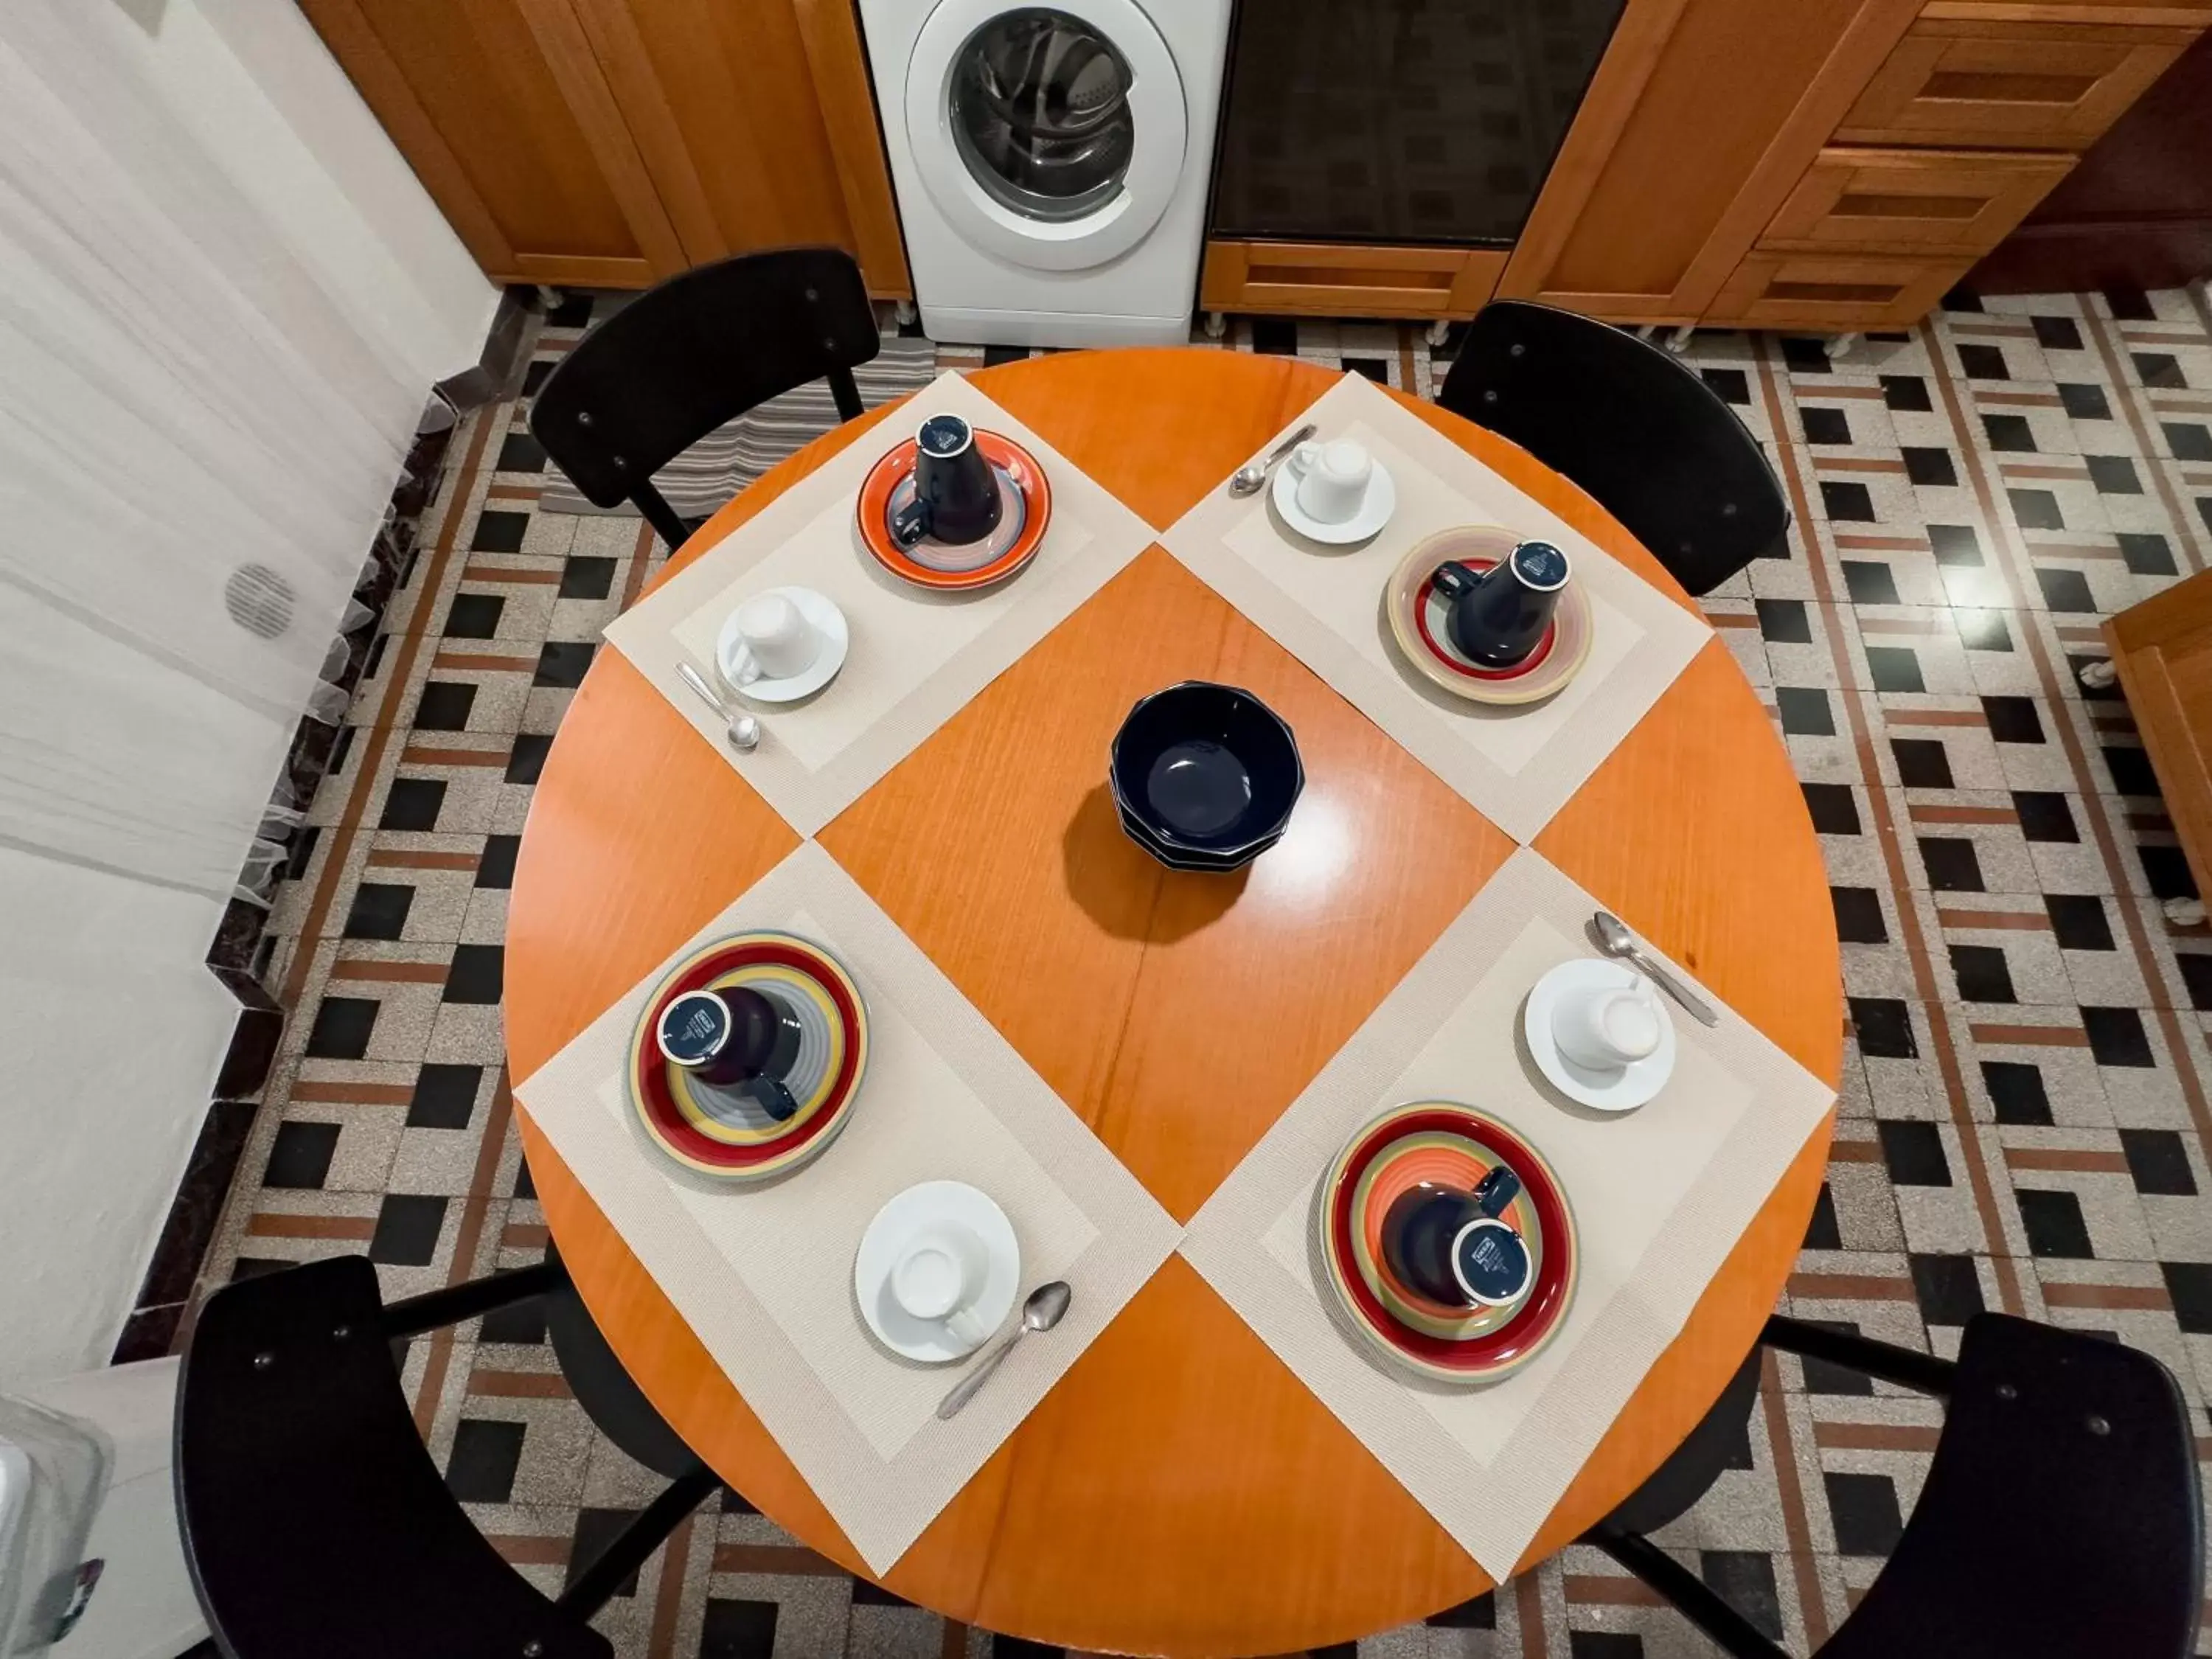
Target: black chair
(314, 1520)
(2060, 1518)
(692, 355)
(1629, 424)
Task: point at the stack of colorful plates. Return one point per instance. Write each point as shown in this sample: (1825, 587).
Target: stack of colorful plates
(723, 1132)
(1436, 1143)
(1024, 511)
(1419, 614)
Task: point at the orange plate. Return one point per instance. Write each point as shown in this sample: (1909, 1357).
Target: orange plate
(887, 474)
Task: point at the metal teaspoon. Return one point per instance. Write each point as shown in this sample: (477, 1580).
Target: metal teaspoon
(1044, 1309)
(1248, 478)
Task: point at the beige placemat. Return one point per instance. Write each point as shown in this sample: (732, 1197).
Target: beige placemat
(764, 1275)
(916, 657)
(1518, 766)
(1660, 1197)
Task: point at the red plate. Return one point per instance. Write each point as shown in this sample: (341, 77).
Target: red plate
(1473, 1358)
(655, 1103)
(1003, 453)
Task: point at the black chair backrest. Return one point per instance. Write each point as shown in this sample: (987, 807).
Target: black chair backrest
(314, 1520)
(696, 352)
(1630, 425)
(2061, 1515)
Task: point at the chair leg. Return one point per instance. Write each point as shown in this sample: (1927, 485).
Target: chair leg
(1691, 1596)
(418, 1314)
(847, 390)
(1906, 1367)
(660, 515)
(626, 1552)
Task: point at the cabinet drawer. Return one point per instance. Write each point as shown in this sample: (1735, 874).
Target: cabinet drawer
(1328, 279)
(1913, 202)
(2034, 86)
(2196, 14)
(1832, 291)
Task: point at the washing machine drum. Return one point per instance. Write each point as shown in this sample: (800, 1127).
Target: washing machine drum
(1055, 136)
(1040, 109)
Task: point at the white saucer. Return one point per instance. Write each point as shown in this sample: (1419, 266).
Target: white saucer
(1382, 501)
(1621, 1090)
(828, 622)
(907, 1213)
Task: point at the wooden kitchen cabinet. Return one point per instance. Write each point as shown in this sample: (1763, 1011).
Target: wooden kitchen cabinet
(1834, 165)
(1897, 208)
(2163, 650)
(1701, 120)
(1874, 238)
(1814, 164)
(502, 110)
(1828, 165)
(2135, 213)
(758, 131)
(615, 143)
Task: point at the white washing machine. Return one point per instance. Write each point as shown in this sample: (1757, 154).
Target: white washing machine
(1050, 162)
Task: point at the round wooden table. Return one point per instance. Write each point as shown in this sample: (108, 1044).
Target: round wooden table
(1180, 1491)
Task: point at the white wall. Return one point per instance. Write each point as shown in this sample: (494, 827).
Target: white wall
(224, 298)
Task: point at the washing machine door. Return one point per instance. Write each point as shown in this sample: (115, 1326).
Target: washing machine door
(1051, 136)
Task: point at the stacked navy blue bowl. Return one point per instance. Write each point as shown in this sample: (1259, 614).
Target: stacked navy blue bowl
(1205, 776)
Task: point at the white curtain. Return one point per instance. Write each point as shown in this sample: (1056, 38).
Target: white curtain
(223, 300)
(185, 414)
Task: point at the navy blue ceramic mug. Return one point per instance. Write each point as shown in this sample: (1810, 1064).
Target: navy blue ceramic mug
(1451, 1247)
(1498, 616)
(733, 1037)
(956, 498)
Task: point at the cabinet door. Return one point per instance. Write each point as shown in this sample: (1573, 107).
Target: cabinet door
(1701, 119)
(502, 111)
(756, 122)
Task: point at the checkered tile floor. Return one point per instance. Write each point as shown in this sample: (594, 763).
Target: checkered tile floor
(2025, 1121)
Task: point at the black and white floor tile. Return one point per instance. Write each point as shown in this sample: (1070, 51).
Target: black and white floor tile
(2025, 1122)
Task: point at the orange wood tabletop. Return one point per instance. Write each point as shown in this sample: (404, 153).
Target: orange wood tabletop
(1179, 1491)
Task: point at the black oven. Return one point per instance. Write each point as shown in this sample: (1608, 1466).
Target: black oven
(1398, 121)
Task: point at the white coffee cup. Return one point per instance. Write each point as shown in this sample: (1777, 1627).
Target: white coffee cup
(1332, 479)
(776, 640)
(937, 1275)
(1607, 1028)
